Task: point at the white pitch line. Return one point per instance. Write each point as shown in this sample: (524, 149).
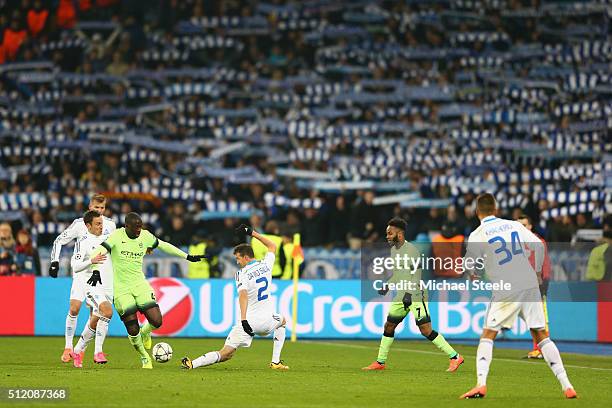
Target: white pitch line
(329, 343)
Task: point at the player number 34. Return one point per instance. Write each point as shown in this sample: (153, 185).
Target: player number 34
(503, 248)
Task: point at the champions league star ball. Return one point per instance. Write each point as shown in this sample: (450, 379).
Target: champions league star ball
(162, 352)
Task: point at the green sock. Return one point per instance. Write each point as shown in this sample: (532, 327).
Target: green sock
(146, 328)
(441, 343)
(137, 343)
(383, 350)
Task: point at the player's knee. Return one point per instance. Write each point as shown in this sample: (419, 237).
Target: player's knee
(539, 334)
(74, 308)
(426, 330)
(132, 327)
(225, 354)
(389, 330)
(156, 321)
(106, 310)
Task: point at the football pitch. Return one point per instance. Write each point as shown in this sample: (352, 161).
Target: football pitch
(322, 374)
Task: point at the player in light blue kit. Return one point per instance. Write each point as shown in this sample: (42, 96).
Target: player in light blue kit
(256, 309)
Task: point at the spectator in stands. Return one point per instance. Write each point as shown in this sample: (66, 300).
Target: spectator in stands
(448, 244)
(66, 14)
(363, 221)
(179, 232)
(599, 265)
(207, 268)
(37, 19)
(226, 237)
(8, 265)
(311, 228)
(325, 65)
(434, 221)
(338, 228)
(562, 229)
(582, 222)
(118, 66)
(256, 222)
(27, 259)
(14, 36)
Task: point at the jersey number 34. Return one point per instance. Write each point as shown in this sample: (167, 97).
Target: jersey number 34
(516, 247)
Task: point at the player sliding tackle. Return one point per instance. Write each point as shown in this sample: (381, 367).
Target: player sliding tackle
(256, 314)
(409, 301)
(501, 243)
(127, 247)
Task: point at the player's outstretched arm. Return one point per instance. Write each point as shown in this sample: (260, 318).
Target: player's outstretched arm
(172, 250)
(267, 242)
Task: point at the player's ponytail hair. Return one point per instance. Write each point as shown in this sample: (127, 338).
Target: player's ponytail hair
(244, 250)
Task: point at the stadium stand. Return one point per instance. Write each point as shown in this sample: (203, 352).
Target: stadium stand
(327, 116)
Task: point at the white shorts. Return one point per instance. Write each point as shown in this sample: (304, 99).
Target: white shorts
(79, 288)
(502, 314)
(95, 296)
(263, 327)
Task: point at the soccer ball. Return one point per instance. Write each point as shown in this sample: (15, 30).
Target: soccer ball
(162, 352)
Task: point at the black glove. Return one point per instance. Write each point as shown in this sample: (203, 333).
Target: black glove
(53, 269)
(384, 290)
(95, 278)
(247, 328)
(407, 300)
(244, 230)
(196, 258)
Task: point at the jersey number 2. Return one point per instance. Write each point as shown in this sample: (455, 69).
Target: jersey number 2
(516, 247)
(262, 289)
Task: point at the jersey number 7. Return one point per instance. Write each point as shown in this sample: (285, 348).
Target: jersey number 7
(262, 289)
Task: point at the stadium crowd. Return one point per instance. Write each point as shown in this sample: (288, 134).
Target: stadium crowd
(319, 117)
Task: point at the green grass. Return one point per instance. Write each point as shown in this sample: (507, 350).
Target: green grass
(323, 374)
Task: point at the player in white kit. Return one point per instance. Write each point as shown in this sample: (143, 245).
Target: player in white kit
(501, 244)
(99, 286)
(256, 309)
(76, 231)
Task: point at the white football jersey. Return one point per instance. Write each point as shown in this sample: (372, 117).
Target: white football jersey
(77, 230)
(502, 245)
(81, 263)
(256, 278)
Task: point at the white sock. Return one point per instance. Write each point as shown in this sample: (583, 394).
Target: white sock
(484, 355)
(101, 331)
(553, 359)
(71, 322)
(279, 340)
(86, 337)
(207, 359)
